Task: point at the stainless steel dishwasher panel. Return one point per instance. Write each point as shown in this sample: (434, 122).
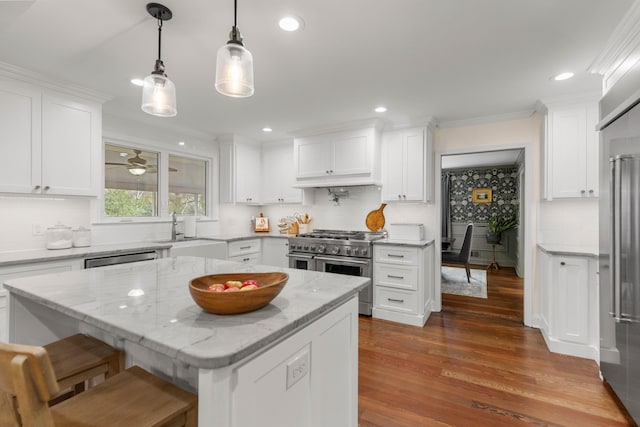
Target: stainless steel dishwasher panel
(119, 259)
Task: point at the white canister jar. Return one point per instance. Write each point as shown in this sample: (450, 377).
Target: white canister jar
(59, 237)
(81, 237)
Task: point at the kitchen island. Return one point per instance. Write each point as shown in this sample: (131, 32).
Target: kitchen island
(292, 363)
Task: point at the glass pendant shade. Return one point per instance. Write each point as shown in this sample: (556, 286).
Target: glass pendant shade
(137, 170)
(159, 96)
(234, 71)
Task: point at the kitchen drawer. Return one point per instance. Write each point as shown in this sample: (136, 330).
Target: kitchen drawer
(396, 300)
(243, 247)
(247, 258)
(395, 254)
(395, 276)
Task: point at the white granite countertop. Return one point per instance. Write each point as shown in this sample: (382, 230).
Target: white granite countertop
(556, 249)
(398, 242)
(44, 255)
(167, 320)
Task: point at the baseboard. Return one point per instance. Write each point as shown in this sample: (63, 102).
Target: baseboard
(571, 349)
(407, 319)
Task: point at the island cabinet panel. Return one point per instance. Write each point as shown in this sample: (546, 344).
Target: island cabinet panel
(274, 251)
(51, 142)
(307, 371)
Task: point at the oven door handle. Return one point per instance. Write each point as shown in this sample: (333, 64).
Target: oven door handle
(342, 260)
(296, 255)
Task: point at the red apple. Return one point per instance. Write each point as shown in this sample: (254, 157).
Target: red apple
(249, 282)
(216, 287)
(232, 289)
(248, 287)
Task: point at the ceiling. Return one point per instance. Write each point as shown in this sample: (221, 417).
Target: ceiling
(454, 60)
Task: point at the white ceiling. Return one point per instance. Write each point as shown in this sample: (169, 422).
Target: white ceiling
(450, 59)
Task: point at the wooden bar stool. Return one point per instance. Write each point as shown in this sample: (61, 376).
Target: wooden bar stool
(80, 358)
(133, 397)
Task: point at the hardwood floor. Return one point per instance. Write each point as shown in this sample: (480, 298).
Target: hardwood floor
(476, 364)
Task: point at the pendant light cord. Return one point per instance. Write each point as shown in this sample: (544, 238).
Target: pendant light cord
(235, 13)
(159, 38)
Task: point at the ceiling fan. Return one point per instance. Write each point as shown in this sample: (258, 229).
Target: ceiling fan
(138, 166)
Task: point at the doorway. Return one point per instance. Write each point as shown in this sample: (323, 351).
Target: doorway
(484, 169)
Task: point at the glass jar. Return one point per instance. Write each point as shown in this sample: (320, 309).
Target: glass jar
(81, 237)
(59, 237)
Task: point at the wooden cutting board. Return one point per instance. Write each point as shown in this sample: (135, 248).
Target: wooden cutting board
(375, 219)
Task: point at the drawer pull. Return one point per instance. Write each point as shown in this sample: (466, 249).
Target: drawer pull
(395, 300)
(395, 256)
(391, 276)
(245, 247)
(246, 259)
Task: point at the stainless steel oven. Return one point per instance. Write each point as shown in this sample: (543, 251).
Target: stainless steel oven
(337, 251)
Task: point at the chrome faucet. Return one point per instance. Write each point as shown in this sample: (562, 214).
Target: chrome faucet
(174, 223)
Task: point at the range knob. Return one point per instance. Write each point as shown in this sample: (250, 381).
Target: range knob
(306, 247)
(321, 249)
(364, 251)
(312, 248)
(355, 251)
(347, 251)
(334, 250)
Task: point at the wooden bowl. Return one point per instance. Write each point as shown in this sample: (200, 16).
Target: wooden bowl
(270, 285)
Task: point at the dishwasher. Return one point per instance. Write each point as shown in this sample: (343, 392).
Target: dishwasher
(119, 259)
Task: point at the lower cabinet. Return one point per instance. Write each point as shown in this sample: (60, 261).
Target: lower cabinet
(402, 283)
(569, 304)
(274, 251)
(246, 251)
(25, 270)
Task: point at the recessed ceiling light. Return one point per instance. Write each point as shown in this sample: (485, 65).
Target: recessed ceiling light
(137, 82)
(181, 143)
(267, 129)
(291, 23)
(380, 109)
(563, 76)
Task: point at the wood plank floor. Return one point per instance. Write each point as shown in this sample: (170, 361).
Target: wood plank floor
(476, 364)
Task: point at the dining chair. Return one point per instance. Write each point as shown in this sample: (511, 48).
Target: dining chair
(462, 257)
(134, 397)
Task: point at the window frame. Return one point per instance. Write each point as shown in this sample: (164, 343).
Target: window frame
(163, 183)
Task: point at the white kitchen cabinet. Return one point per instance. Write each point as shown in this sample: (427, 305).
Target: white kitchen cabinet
(240, 173)
(274, 251)
(201, 248)
(51, 142)
(571, 150)
(278, 175)
(247, 251)
(403, 283)
(26, 270)
(407, 165)
(569, 304)
(350, 157)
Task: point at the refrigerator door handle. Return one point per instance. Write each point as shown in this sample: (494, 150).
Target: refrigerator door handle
(616, 217)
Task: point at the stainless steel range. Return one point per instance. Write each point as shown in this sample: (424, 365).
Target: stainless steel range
(337, 251)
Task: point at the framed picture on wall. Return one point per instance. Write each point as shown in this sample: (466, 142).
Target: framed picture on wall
(481, 195)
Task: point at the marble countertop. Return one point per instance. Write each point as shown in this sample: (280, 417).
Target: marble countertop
(557, 249)
(167, 320)
(399, 242)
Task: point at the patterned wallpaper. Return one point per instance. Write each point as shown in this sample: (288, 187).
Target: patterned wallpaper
(502, 180)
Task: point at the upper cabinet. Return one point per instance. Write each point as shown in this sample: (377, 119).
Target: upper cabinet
(348, 157)
(407, 165)
(571, 149)
(278, 175)
(240, 172)
(51, 142)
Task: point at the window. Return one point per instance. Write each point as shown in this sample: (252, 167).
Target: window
(187, 186)
(143, 183)
(130, 182)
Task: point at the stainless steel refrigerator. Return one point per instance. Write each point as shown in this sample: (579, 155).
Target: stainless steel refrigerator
(619, 263)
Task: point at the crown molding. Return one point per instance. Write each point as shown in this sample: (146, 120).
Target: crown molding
(516, 115)
(622, 50)
(27, 76)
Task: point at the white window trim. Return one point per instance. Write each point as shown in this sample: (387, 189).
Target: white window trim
(163, 184)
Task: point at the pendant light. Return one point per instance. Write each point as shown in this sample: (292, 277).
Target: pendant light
(234, 64)
(158, 92)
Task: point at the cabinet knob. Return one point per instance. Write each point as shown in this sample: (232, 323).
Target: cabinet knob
(404, 196)
(582, 191)
(399, 196)
(37, 187)
(327, 172)
(562, 263)
(46, 188)
(590, 191)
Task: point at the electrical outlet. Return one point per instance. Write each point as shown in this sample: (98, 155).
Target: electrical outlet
(37, 230)
(297, 368)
